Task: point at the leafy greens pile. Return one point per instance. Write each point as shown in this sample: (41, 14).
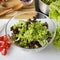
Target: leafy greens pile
(56, 41)
(55, 10)
(31, 34)
(48, 1)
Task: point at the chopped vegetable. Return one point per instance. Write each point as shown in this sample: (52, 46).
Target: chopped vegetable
(4, 51)
(4, 44)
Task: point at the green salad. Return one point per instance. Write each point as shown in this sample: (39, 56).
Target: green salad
(56, 41)
(30, 34)
(48, 2)
(55, 10)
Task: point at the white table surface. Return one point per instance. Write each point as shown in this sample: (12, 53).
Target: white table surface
(49, 53)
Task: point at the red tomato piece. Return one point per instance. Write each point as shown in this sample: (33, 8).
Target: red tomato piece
(2, 43)
(5, 38)
(1, 38)
(4, 52)
(5, 44)
(8, 42)
(1, 48)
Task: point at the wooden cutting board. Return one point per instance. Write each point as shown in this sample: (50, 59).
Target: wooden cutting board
(15, 2)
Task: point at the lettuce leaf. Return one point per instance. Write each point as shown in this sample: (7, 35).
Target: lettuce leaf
(56, 41)
(55, 10)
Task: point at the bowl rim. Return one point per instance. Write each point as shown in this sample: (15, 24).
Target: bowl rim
(35, 48)
(26, 3)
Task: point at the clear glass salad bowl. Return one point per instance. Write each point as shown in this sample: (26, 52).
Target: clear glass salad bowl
(24, 17)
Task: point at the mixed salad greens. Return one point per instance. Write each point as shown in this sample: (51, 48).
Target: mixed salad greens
(55, 15)
(56, 41)
(48, 2)
(55, 10)
(31, 34)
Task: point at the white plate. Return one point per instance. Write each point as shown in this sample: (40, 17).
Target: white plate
(15, 53)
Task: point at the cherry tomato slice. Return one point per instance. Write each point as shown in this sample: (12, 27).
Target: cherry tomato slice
(5, 44)
(8, 42)
(1, 38)
(1, 48)
(5, 38)
(4, 52)
(2, 43)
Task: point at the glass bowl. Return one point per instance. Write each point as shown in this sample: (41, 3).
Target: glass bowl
(27, 15)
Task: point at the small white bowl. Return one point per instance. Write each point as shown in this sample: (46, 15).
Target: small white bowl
(27, 3)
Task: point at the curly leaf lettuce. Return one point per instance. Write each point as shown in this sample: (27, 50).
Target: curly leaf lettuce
(48, 1)
(55, 10)
(56, 41)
